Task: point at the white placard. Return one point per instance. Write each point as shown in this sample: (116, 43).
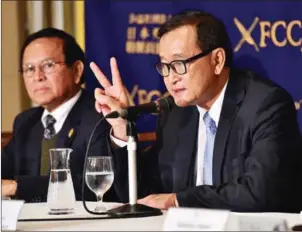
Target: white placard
(257, 222)
(194, 219)
(10, 213)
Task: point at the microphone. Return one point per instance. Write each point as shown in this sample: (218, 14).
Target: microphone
(160, 105)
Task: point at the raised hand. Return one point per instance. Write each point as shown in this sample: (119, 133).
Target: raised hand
(112, 97)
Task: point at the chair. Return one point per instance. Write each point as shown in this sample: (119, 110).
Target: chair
(147, 137)
(5, 138)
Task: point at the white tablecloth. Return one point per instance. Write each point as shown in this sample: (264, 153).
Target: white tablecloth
(39, 211)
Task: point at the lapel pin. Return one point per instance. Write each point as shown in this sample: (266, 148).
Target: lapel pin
(70, 133)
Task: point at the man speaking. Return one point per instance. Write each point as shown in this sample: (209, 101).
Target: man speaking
(230, 142)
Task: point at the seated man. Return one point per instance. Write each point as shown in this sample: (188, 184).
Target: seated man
(52, 66)
(230, 142)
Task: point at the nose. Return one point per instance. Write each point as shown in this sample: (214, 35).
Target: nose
(173, 77)
(38, 75)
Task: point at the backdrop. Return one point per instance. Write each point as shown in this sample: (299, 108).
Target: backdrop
(266, 37)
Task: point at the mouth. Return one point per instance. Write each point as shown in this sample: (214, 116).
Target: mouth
(42, 89)
(178, 91)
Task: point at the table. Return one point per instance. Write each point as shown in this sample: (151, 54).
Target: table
(39, 210)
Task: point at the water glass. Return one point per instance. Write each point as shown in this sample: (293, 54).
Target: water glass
(99, 178)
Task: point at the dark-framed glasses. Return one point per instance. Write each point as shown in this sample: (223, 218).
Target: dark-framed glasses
(178, 66)
(47, 67)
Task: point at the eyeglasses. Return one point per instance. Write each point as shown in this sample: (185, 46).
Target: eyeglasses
(47, 67)
(178, 66)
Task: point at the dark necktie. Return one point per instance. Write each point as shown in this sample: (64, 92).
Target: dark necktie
(47, 143)
(49, 130)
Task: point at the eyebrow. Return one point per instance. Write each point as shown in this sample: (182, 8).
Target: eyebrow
(41, 61)
(175, 56)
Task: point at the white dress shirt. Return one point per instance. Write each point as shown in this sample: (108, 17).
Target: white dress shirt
(214, 112)
(61, 112)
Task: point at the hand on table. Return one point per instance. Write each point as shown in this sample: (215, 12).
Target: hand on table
(160, 201)
(9, 188)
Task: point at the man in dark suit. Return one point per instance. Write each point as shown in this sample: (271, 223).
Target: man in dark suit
(52, 65)
(230, 142)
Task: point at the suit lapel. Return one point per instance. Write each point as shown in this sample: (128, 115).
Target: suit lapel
(30, 152)
(233, 96)
(185, 149)
(70, 126)
(67, 133)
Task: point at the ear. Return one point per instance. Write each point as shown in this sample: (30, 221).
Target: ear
(218, 60)
(77, 68)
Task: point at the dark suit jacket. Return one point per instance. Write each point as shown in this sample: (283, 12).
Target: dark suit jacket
(21, 157)
(256, 159)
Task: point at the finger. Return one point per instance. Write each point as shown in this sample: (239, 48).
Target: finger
(112, 92)
(98, 107)
(141, 201)
(145, 199)
(104, 82)
(98, 92)
(148, 202)
(107, 102)
(116, 77)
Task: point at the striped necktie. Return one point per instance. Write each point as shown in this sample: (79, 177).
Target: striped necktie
(49, 130)
(208, 153)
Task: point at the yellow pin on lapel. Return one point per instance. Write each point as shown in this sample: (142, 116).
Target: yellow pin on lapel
(70, 133)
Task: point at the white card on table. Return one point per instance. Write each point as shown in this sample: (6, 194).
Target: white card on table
(195, 219)
(10, 213)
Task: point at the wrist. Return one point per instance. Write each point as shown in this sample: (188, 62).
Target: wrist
(120, 132)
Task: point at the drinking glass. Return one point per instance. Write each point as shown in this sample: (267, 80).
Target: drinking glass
(99, 177)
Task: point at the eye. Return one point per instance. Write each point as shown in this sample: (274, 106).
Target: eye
(49, 65)
(178, 66)
(163, 69)
(29, 69)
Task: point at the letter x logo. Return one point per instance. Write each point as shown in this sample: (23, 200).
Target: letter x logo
(246, 34)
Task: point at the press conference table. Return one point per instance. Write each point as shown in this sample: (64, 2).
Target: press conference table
(38, 220)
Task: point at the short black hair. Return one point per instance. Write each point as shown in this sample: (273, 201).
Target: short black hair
(71, 49)
(211, 32)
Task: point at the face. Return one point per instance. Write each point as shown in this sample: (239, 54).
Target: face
(51, 81)
(195, 86)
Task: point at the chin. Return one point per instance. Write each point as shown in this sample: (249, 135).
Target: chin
(43, 102)
(181, 102)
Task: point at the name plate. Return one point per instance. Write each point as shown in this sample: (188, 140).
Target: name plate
(10, 213)
(194, 219)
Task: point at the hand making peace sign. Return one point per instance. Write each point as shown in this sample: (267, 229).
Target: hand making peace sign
(113, 97)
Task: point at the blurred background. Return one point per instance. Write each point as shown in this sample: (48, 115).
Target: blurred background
(266, 37)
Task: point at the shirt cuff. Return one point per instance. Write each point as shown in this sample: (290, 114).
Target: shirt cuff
(116, 141)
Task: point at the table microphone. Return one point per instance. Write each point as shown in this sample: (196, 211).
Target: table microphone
(156, 107)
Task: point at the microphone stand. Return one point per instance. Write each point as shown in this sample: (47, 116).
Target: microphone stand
(132, 209)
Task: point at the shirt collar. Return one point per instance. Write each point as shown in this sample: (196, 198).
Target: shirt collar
(61, 112)
(215, 110)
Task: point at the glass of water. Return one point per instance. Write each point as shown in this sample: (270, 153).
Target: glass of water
(99, 178)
